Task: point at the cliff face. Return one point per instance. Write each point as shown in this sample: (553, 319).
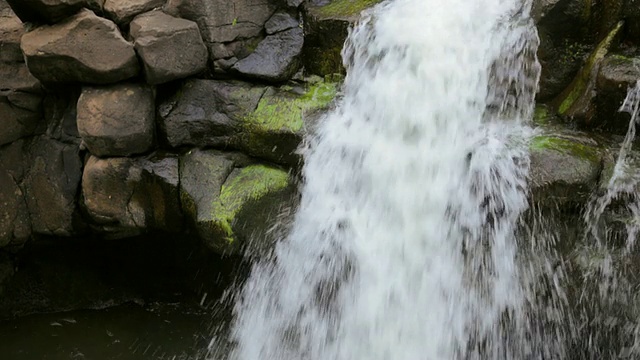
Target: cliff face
(125, 117)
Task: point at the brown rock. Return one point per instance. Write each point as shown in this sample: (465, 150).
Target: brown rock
(123, 11)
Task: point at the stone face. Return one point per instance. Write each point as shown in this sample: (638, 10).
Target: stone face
(83, 48)
(51, 186)
(123, 11)
(280, 21)
(564, 168)
(277, 57)
(45, 10)
(128, 196)
(170, 48)
(248, 204)
(15, 224)
(117, 120)
(223, 21)
(11, 30)
(616, 75)
(265, 123)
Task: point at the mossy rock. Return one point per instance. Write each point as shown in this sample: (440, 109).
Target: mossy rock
(326, 29)
(564, 168)
(247, 207)
(274, 130)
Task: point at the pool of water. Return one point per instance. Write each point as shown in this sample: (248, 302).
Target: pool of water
(158, 331)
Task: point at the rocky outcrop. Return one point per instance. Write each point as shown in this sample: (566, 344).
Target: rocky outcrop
(83, 48)
(117, 120)
(170, 48)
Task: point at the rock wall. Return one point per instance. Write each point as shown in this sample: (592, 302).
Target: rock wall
(124, 117)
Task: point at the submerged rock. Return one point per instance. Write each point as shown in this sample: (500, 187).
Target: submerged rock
(83, 48)
(118, 120)
(170, 48)
(564, 168)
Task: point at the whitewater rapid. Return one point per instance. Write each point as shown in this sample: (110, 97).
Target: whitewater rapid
(406, 243)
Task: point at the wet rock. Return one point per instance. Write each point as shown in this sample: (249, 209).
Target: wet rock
(11, 30)
(564, 168)
(266, 123)
(128, 196)
(616, 75)
(118, 120)
(83, 48)
(249, 202)
(276, 59)
(170, 48)
(123, 11)
(15, 224)
(326, 27)
(51, 187)
(280, 21)
(577, 100)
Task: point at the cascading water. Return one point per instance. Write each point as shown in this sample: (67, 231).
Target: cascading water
(406, 243)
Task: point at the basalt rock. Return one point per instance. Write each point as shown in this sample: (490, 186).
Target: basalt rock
(170, 48)
(123, 11)
(129, 196)
(118, 120)
(83, 48)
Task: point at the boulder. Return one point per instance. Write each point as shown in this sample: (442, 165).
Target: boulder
(616, 75)
(276, 59)
(11, 30)
(247, 207)
(326, 27)
(45, 11)
(51, 186)
(266, 123)
(280, 21)
(128, 196)
(123, 11)
(16, 122)
(20, 102)
(117, 120)
(170, 48)
(60, 115)
(83, 48)
(15, 224)
(564, 168)
(16, 77)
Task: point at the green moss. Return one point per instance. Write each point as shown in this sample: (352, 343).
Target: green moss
(251, 184)
(580, 84)
(283, 112)
(567, 146)
(541, 115)
(346, 7)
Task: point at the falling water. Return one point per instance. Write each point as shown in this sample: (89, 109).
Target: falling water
(407, 241)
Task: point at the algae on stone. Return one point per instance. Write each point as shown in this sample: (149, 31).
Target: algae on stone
(567, 146)
(247, 197)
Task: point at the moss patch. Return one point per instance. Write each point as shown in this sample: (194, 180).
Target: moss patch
(567, 146)
(285, 113)
(580, 84)
(249, 185)
(346, 7)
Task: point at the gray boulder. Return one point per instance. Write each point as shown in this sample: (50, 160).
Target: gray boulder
(276, 59)
(11, 30)
(280, 21)
(128, 196)
(123, 11)
(83, 48)
(118, 120)
(170, 48)
(51, 186)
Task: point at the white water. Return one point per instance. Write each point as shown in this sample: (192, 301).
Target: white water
(405, 246)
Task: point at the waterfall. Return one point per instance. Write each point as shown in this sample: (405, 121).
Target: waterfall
(408, 240)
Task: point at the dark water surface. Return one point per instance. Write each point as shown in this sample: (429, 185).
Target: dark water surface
(129, 332)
